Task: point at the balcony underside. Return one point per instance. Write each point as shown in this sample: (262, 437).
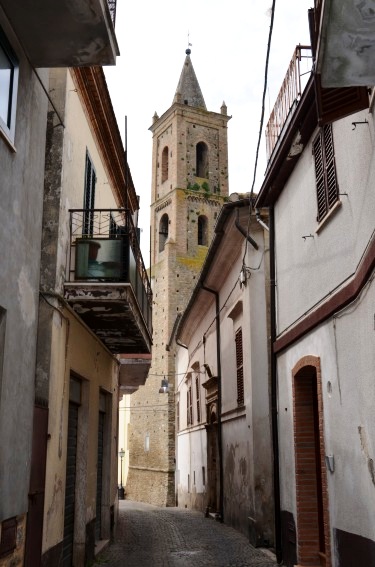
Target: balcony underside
(112, 313)
(346, 49)
(65, 33)
(133, 372)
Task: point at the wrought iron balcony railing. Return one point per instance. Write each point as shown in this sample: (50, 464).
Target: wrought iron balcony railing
(104, 247)
(290, 93)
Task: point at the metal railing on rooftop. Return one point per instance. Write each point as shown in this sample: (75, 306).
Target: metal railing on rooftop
(104, 247)
(289, 95)
(112, 10)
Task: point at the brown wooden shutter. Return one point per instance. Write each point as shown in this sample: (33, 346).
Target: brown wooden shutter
(332, 189)
(335, 103)
(319, 176)
(239, 365)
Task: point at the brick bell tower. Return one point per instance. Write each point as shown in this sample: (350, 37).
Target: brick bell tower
(189, 187)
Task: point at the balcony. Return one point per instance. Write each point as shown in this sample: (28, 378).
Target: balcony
(65, 33)
(107, 284)
(295, 80)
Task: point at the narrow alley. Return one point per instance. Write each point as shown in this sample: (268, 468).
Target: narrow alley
(176, 537)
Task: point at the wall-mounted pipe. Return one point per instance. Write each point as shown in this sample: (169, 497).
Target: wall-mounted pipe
(274, 416)
(244, 233)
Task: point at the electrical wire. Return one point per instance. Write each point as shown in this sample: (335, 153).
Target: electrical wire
(261, 120)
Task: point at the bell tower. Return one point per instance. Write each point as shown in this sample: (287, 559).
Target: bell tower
(189, 187)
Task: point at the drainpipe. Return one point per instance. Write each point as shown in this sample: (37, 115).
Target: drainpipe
(259, 219)
(219, 432)
(244, 233)
(274, 416)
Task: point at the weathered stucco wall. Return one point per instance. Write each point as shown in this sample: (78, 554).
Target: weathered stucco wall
(21, 190)
(318, 264)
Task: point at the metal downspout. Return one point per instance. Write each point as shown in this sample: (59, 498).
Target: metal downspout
(244, 233)
(219, 432)
(274, 415)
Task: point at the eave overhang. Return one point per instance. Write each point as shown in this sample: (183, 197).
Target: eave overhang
(92, 88)
(64, 33)
(346, 44)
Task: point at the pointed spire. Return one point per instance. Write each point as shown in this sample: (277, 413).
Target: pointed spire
(188, 90)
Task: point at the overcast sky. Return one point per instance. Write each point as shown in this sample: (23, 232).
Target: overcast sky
(228, 52)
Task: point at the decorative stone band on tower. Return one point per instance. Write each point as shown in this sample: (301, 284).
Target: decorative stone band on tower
(189, 187)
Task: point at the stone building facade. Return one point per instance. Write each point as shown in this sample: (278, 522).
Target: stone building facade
(189, 187)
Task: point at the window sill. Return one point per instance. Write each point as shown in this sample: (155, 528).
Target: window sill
(7, 140)
(328, 216)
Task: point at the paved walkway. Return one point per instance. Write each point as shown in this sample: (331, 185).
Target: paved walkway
(148, 536)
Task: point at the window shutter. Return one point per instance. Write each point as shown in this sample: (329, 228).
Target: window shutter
(332, 189)
(239, 365)
(335, 103)
(319, 176)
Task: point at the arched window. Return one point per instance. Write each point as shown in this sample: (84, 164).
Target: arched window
(164, 165)
(202, 160)
(202, 230)
(163, 231)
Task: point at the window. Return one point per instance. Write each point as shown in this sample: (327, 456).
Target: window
(325, 171)
(178, 416)
(189, 406)
(239, 367)
(163, 231)
(8, 87)
(89, 197)
(202, 230)
(164, 165)
(197, 390)
(202, 160)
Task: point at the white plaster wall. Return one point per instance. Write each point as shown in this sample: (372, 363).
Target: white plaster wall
(192, 451)
(308, 270)
(345, 346)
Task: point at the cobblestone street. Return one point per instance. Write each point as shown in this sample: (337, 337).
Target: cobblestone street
(148, 536)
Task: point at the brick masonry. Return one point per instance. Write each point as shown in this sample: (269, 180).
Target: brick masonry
(175, 266)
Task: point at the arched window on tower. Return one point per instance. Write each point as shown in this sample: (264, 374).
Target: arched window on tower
(202, 160)
(202, 230)
(164, 164)
(163, 231)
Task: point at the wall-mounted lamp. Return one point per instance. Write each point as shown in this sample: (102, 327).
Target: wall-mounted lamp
(164, 389)
(208, 370)
(330, 463)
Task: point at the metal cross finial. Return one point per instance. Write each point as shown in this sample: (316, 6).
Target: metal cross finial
(189, 44)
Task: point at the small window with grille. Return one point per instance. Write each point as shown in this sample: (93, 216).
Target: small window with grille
(325, 171)
(239, 368)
